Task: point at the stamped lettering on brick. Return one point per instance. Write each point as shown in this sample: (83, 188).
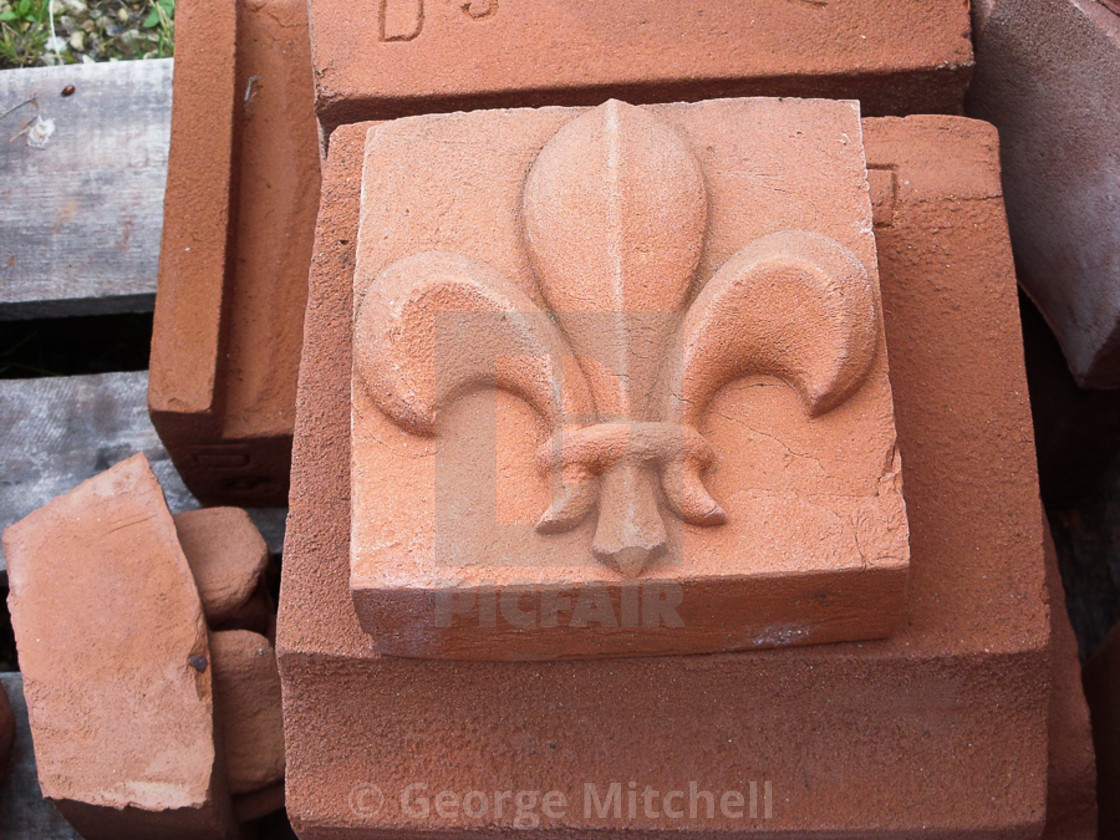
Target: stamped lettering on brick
(480, 9)
(401, 20)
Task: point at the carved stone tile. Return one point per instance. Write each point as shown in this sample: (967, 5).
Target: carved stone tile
(620, 384)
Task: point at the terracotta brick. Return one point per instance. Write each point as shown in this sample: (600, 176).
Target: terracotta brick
(940, 730)
(242, 192)
(247, 708)
(227, 556)
(1045, 76)
(500, 215)
(115, 661)
(390, 58)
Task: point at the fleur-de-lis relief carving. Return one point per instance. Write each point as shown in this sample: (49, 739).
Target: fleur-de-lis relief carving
(629, 347)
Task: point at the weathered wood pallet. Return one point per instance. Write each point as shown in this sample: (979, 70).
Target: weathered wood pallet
(23, 811)
(57, 432)
(80, 217)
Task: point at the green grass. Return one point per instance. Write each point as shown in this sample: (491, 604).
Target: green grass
(84, 30)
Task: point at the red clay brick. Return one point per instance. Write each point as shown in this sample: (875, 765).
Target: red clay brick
(242, 192)
(229, 315)
(247, 708)
(389, 58)
(227, 556)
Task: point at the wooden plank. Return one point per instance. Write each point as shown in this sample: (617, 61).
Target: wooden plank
(56, 432)
(24, 814)
(80, 218)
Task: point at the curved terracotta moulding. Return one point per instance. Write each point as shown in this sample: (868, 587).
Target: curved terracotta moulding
(621, 270)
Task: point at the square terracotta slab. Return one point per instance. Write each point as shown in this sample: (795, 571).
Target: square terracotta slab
(620, 384)
(939, 731)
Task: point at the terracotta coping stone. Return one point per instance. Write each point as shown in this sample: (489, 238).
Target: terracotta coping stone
(940, 730)
(242, 193)
(118, 683)
(794, 533)
(1046, 74)
(378, 59)
(227, 556)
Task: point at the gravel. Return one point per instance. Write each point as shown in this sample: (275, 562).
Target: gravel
(85, 31)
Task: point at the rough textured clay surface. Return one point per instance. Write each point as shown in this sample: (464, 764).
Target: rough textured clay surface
(227, 556)
(242, 192)
(7, 732)
(966, 675)
(389, 58)
(599, 314)
(118, 683)
(247, 705)
(1046, 75)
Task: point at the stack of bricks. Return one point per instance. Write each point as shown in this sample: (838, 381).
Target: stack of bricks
(153, 693)
(854, 629)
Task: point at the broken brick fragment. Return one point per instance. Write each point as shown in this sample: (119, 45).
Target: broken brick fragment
(107, 620)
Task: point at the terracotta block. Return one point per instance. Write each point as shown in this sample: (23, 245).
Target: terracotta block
(247, 704)
(940, 730)
(242, 192)
(115, 661)
(497, 374)
(389, 58)
(1045, 76)
(228, 558)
